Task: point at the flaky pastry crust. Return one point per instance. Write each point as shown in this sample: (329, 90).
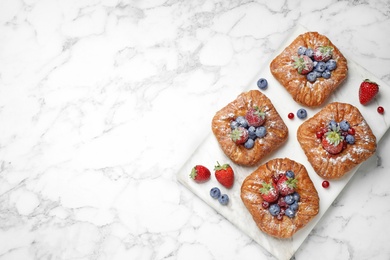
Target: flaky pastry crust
(335, 166)
(277, 131)
(301, 90)
(308, 205)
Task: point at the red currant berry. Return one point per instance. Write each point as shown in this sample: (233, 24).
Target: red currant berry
(325, 184)
(279, 217)
(319, 134)
(380, 110)
(351, 131)
(265, 204)
(290, 115)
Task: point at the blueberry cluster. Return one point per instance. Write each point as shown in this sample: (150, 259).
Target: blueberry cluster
(320, 69)
(347, 132)
(215, 193)
(253, 132)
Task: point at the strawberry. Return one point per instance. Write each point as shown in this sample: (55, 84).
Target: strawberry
(303, 64)
(200, 173)
(323, 53)
(367, 91)
(331, 147)
(269, 192)
(239, 135)
(255, 117)
(286, 185)
(224, 174)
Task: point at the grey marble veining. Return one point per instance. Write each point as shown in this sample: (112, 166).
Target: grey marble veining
(102, 102)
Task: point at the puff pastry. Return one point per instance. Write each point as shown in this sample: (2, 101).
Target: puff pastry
(303, 91)
(308, 204)
(277, 131)
(330, 166)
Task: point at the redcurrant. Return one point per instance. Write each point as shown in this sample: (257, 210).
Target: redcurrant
(380, 110)
(290, 115)
(325, 184)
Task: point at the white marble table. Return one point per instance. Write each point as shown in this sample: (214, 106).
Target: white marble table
(102, 102)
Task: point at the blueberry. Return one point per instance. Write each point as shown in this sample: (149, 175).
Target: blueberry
(311, 76)
(331, 64)
(261, 131)
(234, 125)
(315, 63)
(326, 74)
(309, 52)
(249, 143)
(296, 196)
(350, 139)
(318, 74)
(223, 199)
(290, 174)
(301, 50)
(252, 132)
(242, 121)
(215, 193)
(301, 113)
(332, 125)
(289, 213)
(344, 125)
(289, 199)
(321, 66)
(274, 209)
(294, 207)
(262, 83)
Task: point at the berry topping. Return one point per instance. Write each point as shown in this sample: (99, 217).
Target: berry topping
(265, 204)
(224, 199)
(262, 84)
(224, 174)
(289, 199)
(290, 115)
(350, 139)
(325, 184)
(290, 174)
(261, 131)
(290, 213)
(200, 173)
(242, 121)
(215, 193)
(326, 74)
(239, 135)
(249, 144)
(380, 110)
(301, 113)
(367, 91)
(309, 52)
(320, 67)
(331, 65)
(252, 132)
(323, 53)
(301, 50)
(286, 185)
(344, 125)
(255, 117)
(274, 209)
(312, 76)
(269, 192)
(303, 64)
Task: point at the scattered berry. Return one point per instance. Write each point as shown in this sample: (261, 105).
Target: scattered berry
(301, 113)
(380, 110)
(262, 84)
(224, 174)
(325, 184)
(215, 193)
(200, 173)
(367, 91)
(223, 199)
(290, 115)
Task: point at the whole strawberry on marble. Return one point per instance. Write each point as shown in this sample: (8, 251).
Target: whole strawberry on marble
(224, 174)
(367, 91)
(200, 173)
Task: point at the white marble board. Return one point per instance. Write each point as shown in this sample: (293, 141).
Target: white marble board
(208, 152)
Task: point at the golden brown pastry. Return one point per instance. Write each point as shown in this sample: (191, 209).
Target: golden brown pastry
(336, 139)
(291, 217)
(311, 94)
(271, 131)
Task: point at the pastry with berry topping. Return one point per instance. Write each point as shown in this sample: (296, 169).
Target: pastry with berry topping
(281, 197)
(249, 128)
(310, 68)
(336, 139)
